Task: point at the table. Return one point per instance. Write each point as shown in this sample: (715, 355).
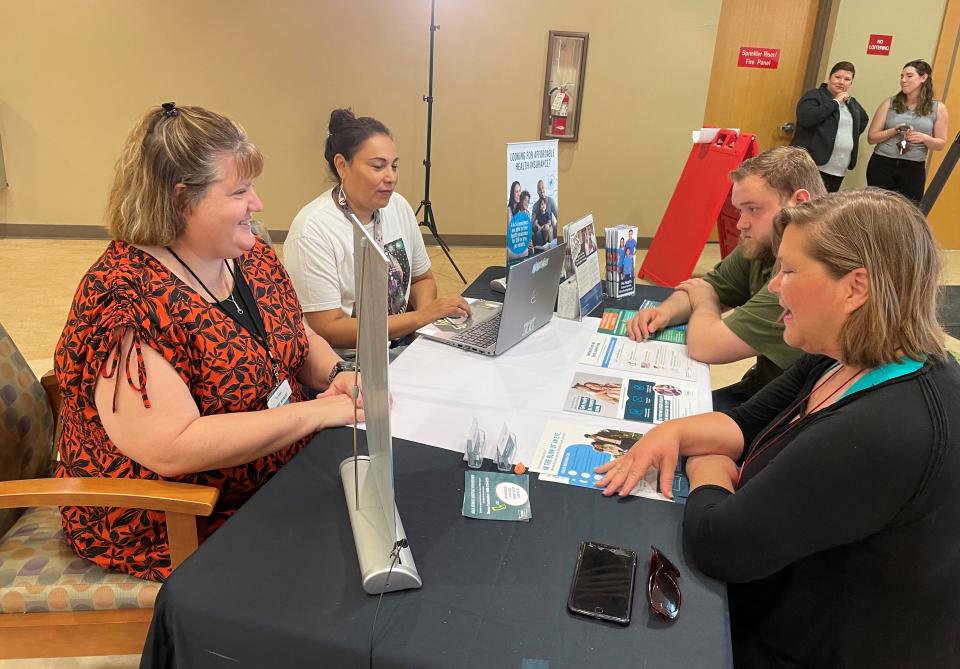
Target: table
(438, 390)
(278, 585)
(480, 289)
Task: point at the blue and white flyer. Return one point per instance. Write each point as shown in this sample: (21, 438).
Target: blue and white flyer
(568, 453)
(532, 196)
(581, 238)
(651, 357)
(645, 399)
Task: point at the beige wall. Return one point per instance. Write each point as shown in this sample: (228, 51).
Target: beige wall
(915, 31)
(74, 76)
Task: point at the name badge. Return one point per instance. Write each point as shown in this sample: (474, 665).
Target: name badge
(280, 395)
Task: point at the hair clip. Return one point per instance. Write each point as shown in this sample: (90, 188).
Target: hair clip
(169, 109)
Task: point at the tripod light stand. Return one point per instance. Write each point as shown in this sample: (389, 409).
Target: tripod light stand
(429, 221)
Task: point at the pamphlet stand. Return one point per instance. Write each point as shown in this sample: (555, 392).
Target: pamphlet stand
(700, 200)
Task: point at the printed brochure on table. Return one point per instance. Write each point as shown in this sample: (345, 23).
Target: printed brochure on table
(643, 357)
(614, 321)
(648, 400)
(569, 453)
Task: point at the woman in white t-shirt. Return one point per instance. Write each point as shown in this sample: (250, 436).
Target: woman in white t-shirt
(318, 251)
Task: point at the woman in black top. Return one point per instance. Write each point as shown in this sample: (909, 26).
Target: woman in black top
(830, 500)
(821, 114)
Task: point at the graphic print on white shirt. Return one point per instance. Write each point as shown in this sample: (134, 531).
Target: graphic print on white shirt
(398, 276)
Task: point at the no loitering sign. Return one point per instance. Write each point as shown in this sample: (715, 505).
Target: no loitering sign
(879, 45)
(758, 56)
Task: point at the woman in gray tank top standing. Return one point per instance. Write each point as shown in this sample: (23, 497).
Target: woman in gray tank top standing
(905, 128)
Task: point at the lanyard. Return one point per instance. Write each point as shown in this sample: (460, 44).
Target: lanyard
(759, 447)
(341, 199)
(259, 332)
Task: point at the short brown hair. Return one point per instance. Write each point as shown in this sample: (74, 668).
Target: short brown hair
(786, 169)
(887, 235)
(844, 65)
(169, 146)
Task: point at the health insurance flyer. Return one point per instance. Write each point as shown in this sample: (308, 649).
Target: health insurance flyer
(638, 357)
(569, 453)
(646, 399)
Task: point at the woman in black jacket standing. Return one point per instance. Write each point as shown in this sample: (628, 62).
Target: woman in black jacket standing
(829, 125)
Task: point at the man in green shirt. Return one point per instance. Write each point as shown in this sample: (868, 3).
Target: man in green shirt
(781, 177)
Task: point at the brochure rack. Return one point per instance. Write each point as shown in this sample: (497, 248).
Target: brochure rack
(700, 200)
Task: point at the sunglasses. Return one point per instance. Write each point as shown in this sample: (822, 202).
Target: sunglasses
(663, 593)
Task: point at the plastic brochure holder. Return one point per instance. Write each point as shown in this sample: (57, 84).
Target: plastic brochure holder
(477, 449)
(506, 449)
(700, 201)
(476, 440)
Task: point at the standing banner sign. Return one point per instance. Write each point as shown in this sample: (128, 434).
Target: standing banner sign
(531, 198)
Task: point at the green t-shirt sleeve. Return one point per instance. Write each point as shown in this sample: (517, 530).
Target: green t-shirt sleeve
(731, 279)
(757, 322)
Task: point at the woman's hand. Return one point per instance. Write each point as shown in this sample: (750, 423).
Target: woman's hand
(343, 384)
(712, 470)
(916, 137)
(443, 307)
(336, 411)
(659, 448)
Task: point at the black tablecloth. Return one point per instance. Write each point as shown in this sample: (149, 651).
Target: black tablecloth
(278, 585)
(480, 289)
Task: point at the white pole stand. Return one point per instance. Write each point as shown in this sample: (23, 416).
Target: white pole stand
(372, 536)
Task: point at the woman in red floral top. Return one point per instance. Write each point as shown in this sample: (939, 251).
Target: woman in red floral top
(185, 342)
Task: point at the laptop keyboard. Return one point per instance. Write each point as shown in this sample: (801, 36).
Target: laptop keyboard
(483, 335)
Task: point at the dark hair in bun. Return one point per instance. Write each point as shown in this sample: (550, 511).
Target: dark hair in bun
(347, 133)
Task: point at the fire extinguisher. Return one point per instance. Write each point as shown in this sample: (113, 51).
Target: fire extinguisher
(559, 108)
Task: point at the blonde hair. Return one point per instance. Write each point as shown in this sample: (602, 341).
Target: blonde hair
(786, 169)
(887, 235)
(170, 146)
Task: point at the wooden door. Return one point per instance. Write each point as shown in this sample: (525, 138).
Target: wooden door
(758, 99)
(946, 79)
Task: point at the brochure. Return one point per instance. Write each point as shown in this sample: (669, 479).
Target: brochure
(496, 496)
(569, 453)
(614, 321)
(646, 400)
(643, 357)
(621, 250)
(581, 238)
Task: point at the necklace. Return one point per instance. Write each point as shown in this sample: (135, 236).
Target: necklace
(347, 210)
(219, 302)
(759, 447)
(233, 301)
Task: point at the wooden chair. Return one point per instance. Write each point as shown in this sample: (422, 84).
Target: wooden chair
(53, 603)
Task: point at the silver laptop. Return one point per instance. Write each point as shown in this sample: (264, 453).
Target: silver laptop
(532, 287)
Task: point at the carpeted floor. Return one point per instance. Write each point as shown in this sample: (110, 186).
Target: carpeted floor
(950, 310)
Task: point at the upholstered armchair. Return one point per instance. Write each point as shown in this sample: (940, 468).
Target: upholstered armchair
(53, 603)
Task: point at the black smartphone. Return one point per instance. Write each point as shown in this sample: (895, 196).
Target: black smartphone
(603, 582)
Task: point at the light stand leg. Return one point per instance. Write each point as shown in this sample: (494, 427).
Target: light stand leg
(429, 221)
